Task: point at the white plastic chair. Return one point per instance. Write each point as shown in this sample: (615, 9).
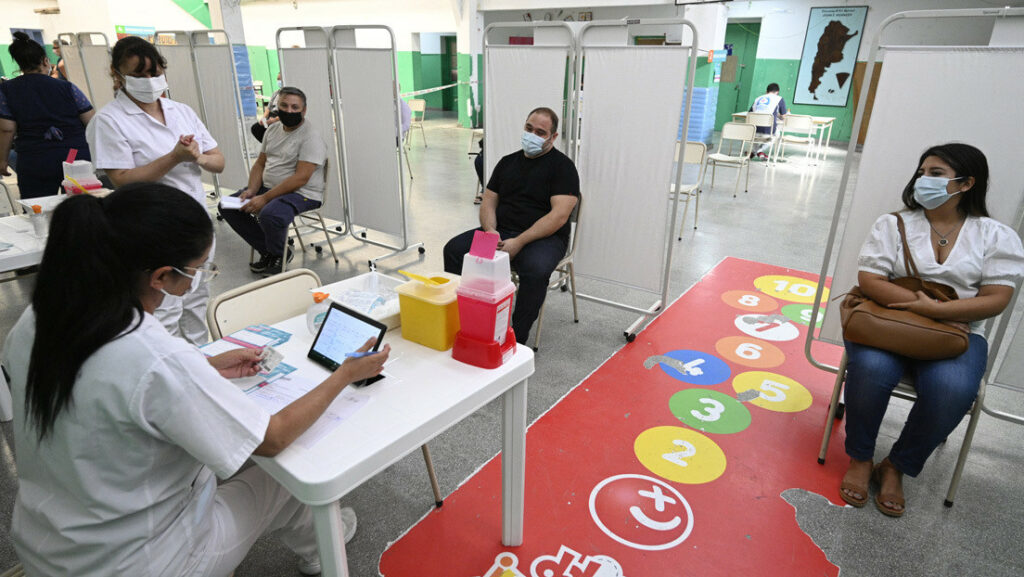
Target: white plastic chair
(734, 132)
(272, 300)
(313, 219)
(995, 330)
(797, 129)
(10, 202)
(566, 275)
(694, 153)
(764, 120)
(418, 106)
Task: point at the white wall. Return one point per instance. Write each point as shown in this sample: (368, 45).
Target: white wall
(103, 15)
(784, 23)
(1008, 32)
(19, 14)
(405, 17)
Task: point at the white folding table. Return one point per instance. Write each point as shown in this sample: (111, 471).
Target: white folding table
(27, 249)
(425, 393)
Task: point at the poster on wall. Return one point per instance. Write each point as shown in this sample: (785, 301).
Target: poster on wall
(147, 32)
(829, 55)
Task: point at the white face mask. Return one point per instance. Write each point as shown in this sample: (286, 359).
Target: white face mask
(146, 90)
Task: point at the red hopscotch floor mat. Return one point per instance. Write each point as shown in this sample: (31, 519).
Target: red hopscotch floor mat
(670, 459)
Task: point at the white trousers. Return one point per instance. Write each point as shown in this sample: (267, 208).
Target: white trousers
(185, 316)
(249, 505)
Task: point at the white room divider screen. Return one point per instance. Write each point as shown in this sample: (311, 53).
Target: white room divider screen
(629, 116)
(365, 81)
(912, 111)
(73, 66)
(305, 64)
(95, 53)
(519, 78)
(222, 105)
(181, 73)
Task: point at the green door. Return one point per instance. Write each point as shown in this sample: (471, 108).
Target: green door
(736, 95)
(449, 70)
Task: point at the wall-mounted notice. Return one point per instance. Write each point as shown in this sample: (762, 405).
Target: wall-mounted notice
(147, 32)
(829, 55)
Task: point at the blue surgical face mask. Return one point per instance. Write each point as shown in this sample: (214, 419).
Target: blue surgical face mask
(532, 144)
(930, 191)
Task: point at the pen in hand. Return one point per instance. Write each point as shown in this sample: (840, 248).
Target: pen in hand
(359, 355)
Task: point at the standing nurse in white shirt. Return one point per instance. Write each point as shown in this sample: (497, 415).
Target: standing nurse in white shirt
(142, 137)
(120, 427)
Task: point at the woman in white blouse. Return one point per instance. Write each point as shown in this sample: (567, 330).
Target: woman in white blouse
(952, 241)
(120, 427)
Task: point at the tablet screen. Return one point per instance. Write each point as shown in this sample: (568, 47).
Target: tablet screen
(343, 331)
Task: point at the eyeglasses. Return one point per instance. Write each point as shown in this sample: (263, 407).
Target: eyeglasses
(204, 274)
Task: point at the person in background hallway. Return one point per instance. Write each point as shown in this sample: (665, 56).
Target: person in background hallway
(769, 103)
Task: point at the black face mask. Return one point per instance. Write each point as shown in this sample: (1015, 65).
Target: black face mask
(290, 119)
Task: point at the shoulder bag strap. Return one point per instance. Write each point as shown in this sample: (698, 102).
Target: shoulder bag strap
(908, 259)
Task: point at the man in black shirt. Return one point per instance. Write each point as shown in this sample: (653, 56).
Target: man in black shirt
(528, 201)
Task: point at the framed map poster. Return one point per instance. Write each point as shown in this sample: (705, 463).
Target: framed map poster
(829, 55)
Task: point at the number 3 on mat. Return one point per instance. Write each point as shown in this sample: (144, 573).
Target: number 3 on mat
(680, 455)
(709, 411)
(777, 392)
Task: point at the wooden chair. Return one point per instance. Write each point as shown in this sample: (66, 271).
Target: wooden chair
(797, 129)
(734, 132)
(694, 153)
(419, 112)
(272, 300)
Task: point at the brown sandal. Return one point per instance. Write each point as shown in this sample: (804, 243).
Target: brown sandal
(882, 498)
(854, 487)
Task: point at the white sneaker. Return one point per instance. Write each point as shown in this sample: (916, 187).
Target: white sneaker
(348, 520)
(311, 566)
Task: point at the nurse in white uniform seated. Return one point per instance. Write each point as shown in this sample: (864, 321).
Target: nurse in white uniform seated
(120, 427)
(144, 137)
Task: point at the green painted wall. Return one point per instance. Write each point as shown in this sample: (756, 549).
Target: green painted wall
(7, 66)
(198, 10)
(464, 91)
(409, 70)
(260, 69)
(430, 76)
(704, 76)
(784, 73)
(275, 67)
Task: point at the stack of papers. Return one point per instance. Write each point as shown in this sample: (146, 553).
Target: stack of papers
(232, 202)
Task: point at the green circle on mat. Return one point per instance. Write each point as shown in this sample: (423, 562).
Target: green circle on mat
(709, 411)
(802, 314)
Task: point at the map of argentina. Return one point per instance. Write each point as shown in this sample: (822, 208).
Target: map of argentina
(830, 51)
(829, 55)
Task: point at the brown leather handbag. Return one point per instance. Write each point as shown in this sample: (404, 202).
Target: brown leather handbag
(902, 332)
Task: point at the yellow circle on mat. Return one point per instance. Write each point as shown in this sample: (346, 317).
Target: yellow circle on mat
(777, 393)
(789, 288)
(680, 455)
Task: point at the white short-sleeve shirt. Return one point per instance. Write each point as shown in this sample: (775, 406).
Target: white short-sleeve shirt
(123, 136)
(124, 484)
(986, 252)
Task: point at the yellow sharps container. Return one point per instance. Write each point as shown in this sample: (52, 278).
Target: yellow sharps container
(430, 312)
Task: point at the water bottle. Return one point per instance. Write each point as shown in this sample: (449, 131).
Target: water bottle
(317, 311)
(38, 221)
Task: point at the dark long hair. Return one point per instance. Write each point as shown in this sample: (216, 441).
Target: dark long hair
(149, 57)
(27, 52)
(965, 160)
(96, 260)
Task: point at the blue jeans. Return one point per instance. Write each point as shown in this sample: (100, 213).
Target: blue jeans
(945, 391)
(268, 232)
(534, 264)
